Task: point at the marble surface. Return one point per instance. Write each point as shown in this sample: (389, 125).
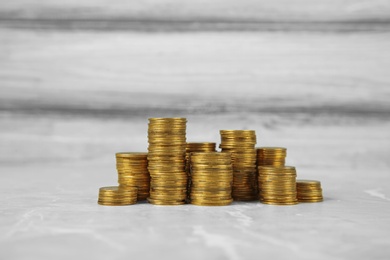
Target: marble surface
(49, 211)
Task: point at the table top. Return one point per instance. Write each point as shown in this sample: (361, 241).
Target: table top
(50, 210)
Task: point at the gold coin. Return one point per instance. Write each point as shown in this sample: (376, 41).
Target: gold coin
(274, 163)
(200, 147)
(114, 190)
(309, 191)
(211, 203)
(168, 195)
(202, 167)
(167, 119)
(310, 200)
(166, 131)
(135, 155)
(251, 132)
(269, 148)
(308, 182)
(116, 196)
(214, 155)
(167, 142)
(235, 147)
(105, 203)
(175, 135)
(165, 202)
(280, 203)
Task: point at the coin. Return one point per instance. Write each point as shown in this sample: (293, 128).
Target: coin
(133, 171)
(175, 171)
(208, 202)
(166, 202)
(166, 160)
(309, 191)
(241, 145)
(116, 196)
(272, 156)
(211, 178)
(277, 185)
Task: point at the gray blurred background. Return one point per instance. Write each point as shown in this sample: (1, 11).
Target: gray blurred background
(78, 79)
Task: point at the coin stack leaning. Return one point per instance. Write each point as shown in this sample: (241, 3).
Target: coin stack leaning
(241, 145)
(133, 171)
(309, 191)
(196, 147)
(272, 156)
(166, 161)
(116, 196)
(212, 177)
(277, 185)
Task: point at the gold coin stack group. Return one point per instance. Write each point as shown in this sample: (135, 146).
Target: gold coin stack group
(241, 145)
(212, 177)
(273, 156)
(133, 172)
(166, 161)
(116, 196)
(309, 191)
(196, 147)
(277, 185)
(174, 172)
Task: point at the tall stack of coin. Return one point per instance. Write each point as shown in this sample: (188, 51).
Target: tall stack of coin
(273, 156)
(241, 145)
(212, 177)
(196, 147)
(277, 185)
(309, 191)
(166, 161)
(133, 171)
(115, 196)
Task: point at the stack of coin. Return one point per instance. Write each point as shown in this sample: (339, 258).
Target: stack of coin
(196, 147)
(273, 156)
(309, 191)
(166, 161)
(212, 177)
(241, 145)
(132, 170)
(277, 185)
(115, 196)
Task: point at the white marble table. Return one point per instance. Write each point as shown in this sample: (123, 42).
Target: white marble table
(50, 212)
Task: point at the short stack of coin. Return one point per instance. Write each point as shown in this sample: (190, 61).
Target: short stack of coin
(116, 196)
(196, 147)
(277, 185)
(241, 145)
(166, 161)
(212, 177)
(133, 171)
(272, 156)
(309, 191)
